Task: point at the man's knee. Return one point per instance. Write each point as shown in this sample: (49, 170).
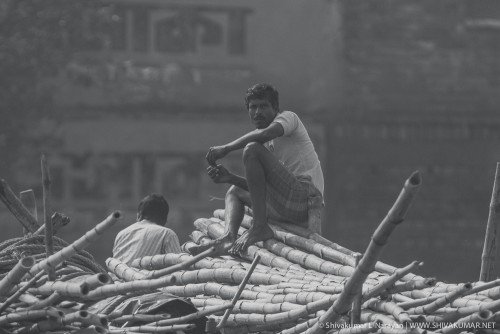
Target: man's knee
(252, 150)
(234, 191)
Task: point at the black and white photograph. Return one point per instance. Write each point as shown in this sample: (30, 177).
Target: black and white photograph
(250, 166)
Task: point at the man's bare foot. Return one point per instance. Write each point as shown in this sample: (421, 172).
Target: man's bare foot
(252, 235)
(222, 244)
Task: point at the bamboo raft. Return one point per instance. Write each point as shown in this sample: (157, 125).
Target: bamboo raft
(296, 282)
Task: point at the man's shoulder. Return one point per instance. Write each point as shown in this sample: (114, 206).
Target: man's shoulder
(287, 114)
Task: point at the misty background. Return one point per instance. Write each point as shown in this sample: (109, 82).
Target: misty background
(126, 96)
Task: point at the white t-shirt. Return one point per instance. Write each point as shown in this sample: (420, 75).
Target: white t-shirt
(144, 238)
(295, 150)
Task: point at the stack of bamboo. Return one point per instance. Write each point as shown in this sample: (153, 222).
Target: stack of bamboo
(305, 283)
(296, 282)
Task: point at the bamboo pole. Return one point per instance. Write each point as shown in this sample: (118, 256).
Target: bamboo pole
(488, 256)
(72, 249)
(95, 281)
(66, 289)
(238, 293)
(47, 222)
(358, 299)
(109, 290)
(192, 316)
(184, 265)
(16, 274)
(27, 197)
(394, 217)
(151, 329)
(30, 315)
(121, 270)
(17, 208)
(412, 285)
(140, 317)
(247, 306)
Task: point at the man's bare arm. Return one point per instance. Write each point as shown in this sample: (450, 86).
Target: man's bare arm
(274, 130)
(239, 182)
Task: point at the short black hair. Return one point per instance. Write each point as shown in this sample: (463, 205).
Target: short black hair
(153, 207)
(263, 91)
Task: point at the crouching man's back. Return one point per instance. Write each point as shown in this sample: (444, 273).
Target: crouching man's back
(148, 236)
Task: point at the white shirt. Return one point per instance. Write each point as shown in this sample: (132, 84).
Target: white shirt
(144, 238)
(295, 150)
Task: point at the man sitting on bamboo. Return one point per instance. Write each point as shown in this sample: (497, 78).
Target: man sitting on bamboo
(148, 236)
(283, 177)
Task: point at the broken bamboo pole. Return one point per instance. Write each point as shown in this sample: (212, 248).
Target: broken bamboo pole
(394, 217)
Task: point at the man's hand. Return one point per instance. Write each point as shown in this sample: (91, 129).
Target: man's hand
(219, 174)
(215, 153)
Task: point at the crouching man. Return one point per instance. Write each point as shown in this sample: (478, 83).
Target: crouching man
(148, 236)
(283, 177)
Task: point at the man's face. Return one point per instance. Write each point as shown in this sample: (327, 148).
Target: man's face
(261, 112)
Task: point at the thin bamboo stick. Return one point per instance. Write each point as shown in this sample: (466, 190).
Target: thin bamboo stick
(191, 316)
(140, 317)
(161, 261)
(109, 290)
(47, 222)
(358, 299)
(27, 197)
(240, 290)
(76, 246)
(441, 301)
(184, 265)
(247, 306)
(151, 329)
(379, 239)
(30, 315)
(389, 281)
(17, 208)
(490, 239)
(16, 274)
